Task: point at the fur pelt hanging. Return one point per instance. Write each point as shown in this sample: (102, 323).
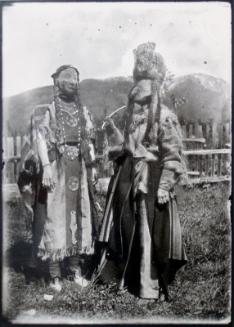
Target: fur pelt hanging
(149, 73)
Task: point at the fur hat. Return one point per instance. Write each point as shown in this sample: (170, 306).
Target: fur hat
(148, 63)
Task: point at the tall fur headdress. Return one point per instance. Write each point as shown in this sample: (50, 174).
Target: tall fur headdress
(149, 65)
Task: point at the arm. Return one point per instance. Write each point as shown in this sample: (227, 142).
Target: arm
(90, 132)
(91, 143)
(47, 180)
(115, 140)
(42, 150)
(93, 158)
(170, 148)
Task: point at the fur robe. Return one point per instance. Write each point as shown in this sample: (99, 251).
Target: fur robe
(143, 236)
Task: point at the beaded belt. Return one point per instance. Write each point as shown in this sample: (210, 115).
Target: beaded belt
(71, 152)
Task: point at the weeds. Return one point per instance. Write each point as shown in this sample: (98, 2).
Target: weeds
(201, 290)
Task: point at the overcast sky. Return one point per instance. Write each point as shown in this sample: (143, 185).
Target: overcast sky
(98, 38)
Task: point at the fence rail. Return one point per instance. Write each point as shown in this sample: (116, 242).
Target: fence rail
(209, 162)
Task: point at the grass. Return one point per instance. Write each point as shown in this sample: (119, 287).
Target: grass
(201, 290)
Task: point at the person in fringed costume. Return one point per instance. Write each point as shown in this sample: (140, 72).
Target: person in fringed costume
(57, 177)
(141, 227)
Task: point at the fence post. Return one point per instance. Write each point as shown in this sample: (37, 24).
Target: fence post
(184, 133)
(190, 131)
(206, 131)
(18, 145)
(4, 146)
(210, 165)
(215, 135)
(207, 165)
(18, 154)
(227, 133)
(198, 130)
(220, 135)
(219, 165)
(4, 155)
(10, 165)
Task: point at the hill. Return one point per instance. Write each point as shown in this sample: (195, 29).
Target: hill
(206, 97)
(100, 96)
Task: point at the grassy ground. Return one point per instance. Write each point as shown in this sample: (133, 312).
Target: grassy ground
(201, 290)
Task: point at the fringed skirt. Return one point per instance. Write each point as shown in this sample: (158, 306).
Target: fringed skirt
(68, 225)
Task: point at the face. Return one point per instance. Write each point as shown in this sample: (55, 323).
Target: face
(146, 65)
(68, 81)
(141, 92)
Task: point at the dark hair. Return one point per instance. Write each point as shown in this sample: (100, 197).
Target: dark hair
(64, 67)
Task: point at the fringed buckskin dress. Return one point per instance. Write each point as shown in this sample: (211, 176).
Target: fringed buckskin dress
(64, 220)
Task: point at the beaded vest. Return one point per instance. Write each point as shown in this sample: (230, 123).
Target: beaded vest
(69, 129)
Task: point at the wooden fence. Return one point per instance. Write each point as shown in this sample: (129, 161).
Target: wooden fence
(207, 152)
(209, 134)
(207, 149)
(12, 146)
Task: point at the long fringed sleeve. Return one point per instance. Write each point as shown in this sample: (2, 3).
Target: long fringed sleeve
(91, 158)
(170, 149)
(42, 130)
(32, 154)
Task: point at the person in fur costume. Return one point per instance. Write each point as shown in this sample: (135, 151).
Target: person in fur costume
(141, 227)
(56, 179)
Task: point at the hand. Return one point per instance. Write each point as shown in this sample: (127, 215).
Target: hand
(163, 196)
(94, 176)
(153, 149)
(98, 207)
(47, 179)
(27, 188)
(110, 123)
